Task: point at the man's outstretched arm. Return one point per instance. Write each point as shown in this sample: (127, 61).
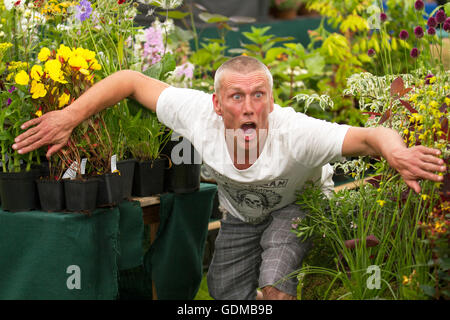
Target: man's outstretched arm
(54, 128)
(413, 163)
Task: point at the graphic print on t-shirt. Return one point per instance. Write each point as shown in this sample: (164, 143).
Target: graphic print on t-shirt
(253, 201)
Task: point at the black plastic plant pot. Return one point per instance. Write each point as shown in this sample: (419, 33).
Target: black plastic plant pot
(184, 178)
(109, 192)
(18, 191)
(81, 194)
(51, 194)
(148, 178)
(126, 168)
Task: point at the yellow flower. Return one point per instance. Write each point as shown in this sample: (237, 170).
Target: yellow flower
(406, 280)
(22, 78)
(36, 72)
(84, 71)
(38, 113)
(424, 197)
(37, 89)
(44, 54)
(381, 202)
(64, 52)
(78, 62)
(406, 131)
(432, 80)
(447, 101)
(418, 118)
(413, 97)
(434, 104)
(53, 68)
(63, 100)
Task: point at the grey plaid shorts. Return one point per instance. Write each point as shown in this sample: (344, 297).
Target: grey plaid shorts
(250, 256)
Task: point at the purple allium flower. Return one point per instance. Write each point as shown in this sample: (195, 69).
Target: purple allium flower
(428, 77)
(431, 31)
(440, 16)
(418, 31)
(11, 90)
(419, 5)
(383, 17)
(432, 23)
(403, 34)
(8, 102)
(84, 10)
(414, 53)
(446, 26)
(371, 52)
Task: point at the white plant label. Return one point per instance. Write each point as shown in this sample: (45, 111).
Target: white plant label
(114, 163)
(83, 165)
(71, 173)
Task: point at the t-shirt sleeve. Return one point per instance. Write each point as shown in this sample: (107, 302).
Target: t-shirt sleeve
(182, 109)
(316, 142)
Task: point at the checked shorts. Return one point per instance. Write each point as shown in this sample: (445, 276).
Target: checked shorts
(250, 256)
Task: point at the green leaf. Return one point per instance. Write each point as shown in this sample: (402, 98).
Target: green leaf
(212, 18)
(174, 14)
(447, 9)
(315, 64)
(445, 263)
(242, 19)
(428, 290)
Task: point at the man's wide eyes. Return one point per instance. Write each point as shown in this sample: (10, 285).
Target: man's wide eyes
(258, 95)
(236, 96)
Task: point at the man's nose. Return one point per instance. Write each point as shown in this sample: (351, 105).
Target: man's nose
(247, 109)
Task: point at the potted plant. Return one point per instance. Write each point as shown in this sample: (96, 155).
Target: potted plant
(18, 190)
(62, 76)
(101, 163)
(146, 137)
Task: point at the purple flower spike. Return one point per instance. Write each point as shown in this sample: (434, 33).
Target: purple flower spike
(383, 17)
(440, 16)
(403, 35)
(446, 26)
(11, 90)
(418, 31)
(431, 31)
(8, 102)
(419, 5)
(371, 52)
(414, 53)
(432, 23)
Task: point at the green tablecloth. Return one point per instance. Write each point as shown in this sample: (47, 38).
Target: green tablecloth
(41, 252)
(174, 260)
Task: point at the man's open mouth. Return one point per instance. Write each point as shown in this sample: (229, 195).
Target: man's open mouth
(249, 130)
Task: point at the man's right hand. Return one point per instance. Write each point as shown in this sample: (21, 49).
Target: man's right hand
(52, 128)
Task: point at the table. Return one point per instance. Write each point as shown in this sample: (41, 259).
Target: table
(74, 256)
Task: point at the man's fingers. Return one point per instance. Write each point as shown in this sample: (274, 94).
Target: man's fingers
(53, 149)
(413, 184)
(433, 167)
(30, 123)
(430, 151)
(431, 159)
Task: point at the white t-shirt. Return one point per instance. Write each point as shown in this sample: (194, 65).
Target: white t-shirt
(298, 148)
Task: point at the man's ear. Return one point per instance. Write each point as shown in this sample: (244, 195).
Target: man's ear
(217, 107)
(271, 102)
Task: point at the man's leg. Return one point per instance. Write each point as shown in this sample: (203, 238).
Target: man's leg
(283, 254)
(234, 269)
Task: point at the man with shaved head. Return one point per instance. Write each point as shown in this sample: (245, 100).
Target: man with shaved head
(259, 153)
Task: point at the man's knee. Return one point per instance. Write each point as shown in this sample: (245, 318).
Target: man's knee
(272, 293)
